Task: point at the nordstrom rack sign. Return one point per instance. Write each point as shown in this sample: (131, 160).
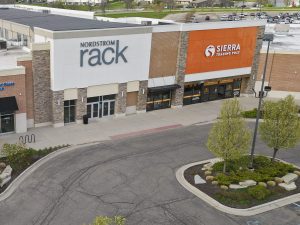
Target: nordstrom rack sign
(101, 53)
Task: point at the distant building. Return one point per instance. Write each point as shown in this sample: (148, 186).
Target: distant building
(283, 68)
(7, 2)
(77, 2)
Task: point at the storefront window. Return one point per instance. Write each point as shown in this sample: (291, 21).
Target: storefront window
(159, 100)
(192, 94)
(69, 111)
(7, 123)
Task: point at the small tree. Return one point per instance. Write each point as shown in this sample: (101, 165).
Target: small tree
(281, 127)
(230, 137)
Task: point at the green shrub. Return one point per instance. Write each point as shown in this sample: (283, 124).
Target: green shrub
(250, 113)
(232, 165)
(223, 179)
(259, 192)
(240, 197)
(18, 156)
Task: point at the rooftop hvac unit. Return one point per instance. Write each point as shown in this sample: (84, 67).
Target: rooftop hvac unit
(146, 23)
(3, 45)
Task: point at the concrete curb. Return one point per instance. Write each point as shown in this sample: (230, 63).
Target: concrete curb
(19, 179)
(234, 211)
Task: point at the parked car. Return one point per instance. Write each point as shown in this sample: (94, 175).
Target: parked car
(224, 17)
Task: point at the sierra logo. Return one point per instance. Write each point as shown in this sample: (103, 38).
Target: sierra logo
(222, 50)
(210, 51)
(97, 53)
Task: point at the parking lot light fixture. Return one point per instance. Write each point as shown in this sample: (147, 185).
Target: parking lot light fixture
(269, 38)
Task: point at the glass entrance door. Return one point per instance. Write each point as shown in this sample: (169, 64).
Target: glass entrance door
(105, 108)
(7, 123)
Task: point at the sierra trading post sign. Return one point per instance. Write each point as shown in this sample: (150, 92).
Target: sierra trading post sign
(215, 50)
(101, 53)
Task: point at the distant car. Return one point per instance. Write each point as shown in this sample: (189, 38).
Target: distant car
(224, 17)
(230, 18)
(252, 14)
(207, 18)
(263, 17)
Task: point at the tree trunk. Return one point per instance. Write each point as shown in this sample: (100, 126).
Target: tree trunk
(224, 167)
(274, 154)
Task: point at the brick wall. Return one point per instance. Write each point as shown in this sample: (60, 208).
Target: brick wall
(42, 93)
(29, 86)
(283, 71)
(164, 52)
(18, 90)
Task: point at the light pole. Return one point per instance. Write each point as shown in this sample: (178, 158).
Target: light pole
(269, 38)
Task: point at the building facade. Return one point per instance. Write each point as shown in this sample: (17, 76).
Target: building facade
(104, 69)
(283, 69)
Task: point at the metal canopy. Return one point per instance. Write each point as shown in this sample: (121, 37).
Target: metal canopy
(8, 104)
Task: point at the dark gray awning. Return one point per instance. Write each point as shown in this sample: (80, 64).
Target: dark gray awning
(8, 104)
(163, 88)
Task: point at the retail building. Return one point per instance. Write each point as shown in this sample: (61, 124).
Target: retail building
(283, 68)
(73, 67)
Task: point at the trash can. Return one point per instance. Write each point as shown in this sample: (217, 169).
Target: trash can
(85, 119)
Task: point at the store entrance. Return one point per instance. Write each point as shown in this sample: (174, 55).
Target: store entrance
(102, 106)
(7, 123)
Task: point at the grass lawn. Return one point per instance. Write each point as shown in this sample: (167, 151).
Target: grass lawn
(160, 15)
(117, 5)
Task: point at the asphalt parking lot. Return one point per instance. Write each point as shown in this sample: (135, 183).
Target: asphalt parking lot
(133, 177)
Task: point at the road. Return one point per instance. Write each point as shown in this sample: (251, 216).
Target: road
(133, 177)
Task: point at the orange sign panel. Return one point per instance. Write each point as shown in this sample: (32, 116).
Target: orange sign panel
(213, 50)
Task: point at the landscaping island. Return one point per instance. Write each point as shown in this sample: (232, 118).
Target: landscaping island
(244, 188)
(18, 158)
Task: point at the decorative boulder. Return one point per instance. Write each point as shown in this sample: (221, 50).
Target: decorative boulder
(224, 187)
(288, 187)
(6, 172)
(214, 182)
(247, 183)
(4, 181)
(297, 172)
(271, 183)
(236, 186)
(262, 184)
(210, 178)
(207, 172)
(289, 178)
(207, 166)
(199, 180)
(2, 165)
(278, 180)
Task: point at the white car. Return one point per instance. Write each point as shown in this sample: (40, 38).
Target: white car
(224, 17)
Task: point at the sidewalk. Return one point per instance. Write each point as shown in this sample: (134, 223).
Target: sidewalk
(110, 129)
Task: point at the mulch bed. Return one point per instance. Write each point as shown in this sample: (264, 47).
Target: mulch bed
(214, 190)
